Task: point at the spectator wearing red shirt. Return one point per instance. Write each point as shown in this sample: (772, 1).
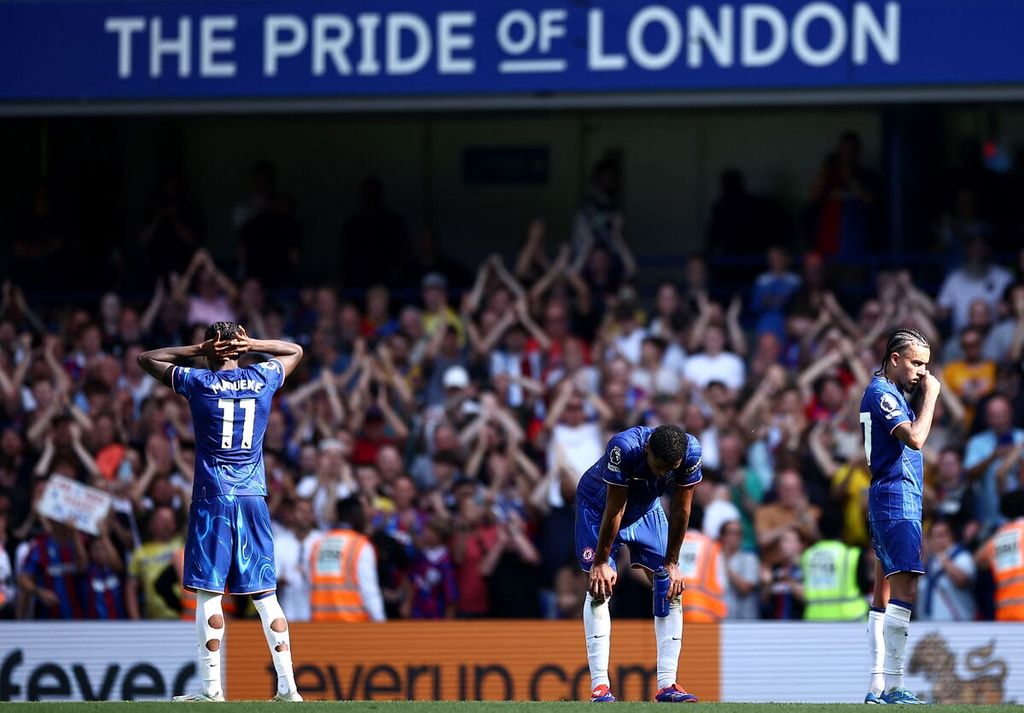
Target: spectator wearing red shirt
(475, 536)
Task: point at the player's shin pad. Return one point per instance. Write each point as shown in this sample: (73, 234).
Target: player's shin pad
(661, 586)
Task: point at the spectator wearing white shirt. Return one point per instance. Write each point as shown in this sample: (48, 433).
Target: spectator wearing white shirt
(997, 339)
(7, 590)
(292, 546)
(514, 362)
(332, 481)
(1009, 331)
(718, 509)
(714, 363)
(652, 375)
(630, 335)
(697, 422)
(742, 570)
(978, 278)
(581, 441)
(947, 587)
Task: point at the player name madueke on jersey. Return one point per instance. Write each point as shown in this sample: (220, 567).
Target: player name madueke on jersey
(230, 410)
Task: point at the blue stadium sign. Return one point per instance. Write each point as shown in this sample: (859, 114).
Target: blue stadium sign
(85, 50)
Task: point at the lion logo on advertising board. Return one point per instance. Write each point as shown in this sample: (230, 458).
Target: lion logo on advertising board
(936, 661)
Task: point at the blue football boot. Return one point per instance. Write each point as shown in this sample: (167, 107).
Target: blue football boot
(902, 697)
(674, 694)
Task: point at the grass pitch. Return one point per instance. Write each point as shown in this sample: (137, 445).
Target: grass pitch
(463, 707)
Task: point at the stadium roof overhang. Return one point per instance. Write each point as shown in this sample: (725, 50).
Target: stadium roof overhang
(920, 95)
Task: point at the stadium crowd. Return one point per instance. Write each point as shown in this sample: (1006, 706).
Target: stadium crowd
(451, 428)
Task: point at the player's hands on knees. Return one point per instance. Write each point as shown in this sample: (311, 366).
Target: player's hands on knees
(676, 584)
(602, 580)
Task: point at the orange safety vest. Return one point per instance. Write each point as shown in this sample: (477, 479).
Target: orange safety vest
(1008, 569)
(188, 598)
(703, 598)
(334, 577)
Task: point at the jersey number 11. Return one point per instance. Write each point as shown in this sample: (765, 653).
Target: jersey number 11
(227, 433)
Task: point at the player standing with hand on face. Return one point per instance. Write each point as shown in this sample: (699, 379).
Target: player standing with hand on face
(893, 438)
(230, 546)
(618, 501)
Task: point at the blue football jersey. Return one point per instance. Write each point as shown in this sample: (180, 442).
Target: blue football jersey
(625, 463)
(897, 470)
(230, 410)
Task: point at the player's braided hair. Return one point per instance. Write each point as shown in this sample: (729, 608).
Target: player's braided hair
(221, 330)
(898, 342)
(668, 443)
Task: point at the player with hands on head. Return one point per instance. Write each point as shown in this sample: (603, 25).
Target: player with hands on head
(618, 502)
(230, 546)
(893, 439)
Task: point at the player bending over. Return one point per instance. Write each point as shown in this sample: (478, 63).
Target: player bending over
(230, 546)
(618, 501)
(893, 438)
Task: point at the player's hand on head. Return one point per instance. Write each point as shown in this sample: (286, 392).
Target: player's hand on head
(208, 348)
(241, 342)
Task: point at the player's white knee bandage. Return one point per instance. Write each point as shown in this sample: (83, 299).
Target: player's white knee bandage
(279, 641)
(208, 606)
(270, 611)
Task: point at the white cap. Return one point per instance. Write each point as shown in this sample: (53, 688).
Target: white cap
(455, 377)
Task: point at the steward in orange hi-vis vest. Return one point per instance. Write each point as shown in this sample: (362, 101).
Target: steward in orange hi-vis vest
(334, 577)
(700, 561)
(1004, 554)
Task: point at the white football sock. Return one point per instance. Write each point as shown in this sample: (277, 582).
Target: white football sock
(896, 630)
(270, 611)
(597, 623)
(876, 650)
(208, 605)
(668, 630)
